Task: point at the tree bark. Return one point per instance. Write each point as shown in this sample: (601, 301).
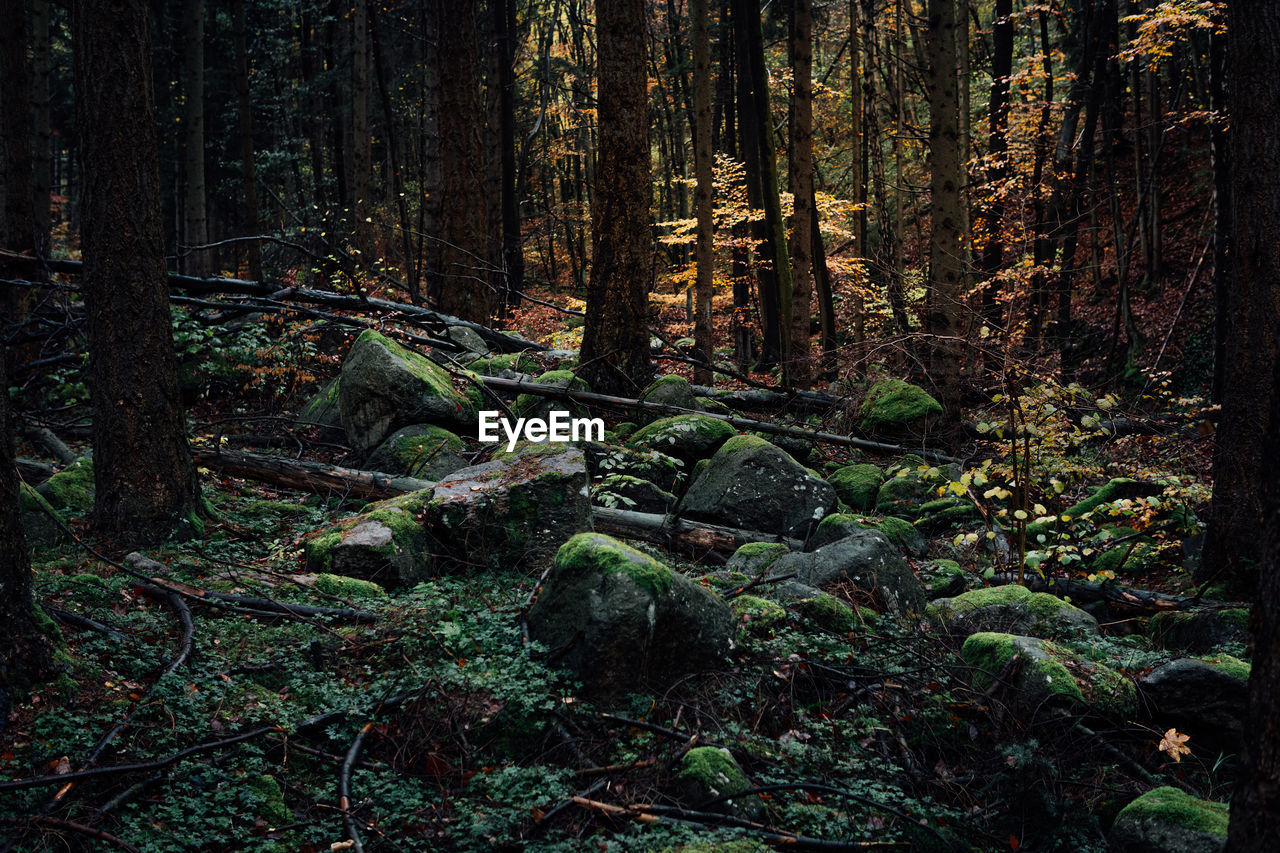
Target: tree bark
(704, 287)
(144, 479)
(361, 152)
(512, 241)
(244, 112)
(17, 223)
(799, 370)
(615, 344)
(42, 125)
(195, 223)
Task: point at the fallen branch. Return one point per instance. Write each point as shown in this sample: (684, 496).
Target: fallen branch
(315, 477)
(760, 399)
(1128, 598)
(69, 826)
(696, 538)
(344, 786)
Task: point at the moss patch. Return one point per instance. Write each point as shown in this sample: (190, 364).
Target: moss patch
(857, 485)
(827, 612)
(1232, 666)
(1175, 807)
(989, 652)
(892, 405)
(271, 805)
(713, 768)
(597, 552)
(72, 487)
(345, 587)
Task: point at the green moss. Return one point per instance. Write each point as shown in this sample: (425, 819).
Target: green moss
(45, 625)
(828, 612)
(345, 587)
(263, 509)
(597, 552)
(528, 403)
(1232, 666)
(670, 431)
(517, 362)
(857, 485)
(714, 769)
(400, 515)
(990, 596)
(757, 608)
(756, 549)
(1236, 617)
(270, 805)
(625, 430)
(741, 443)
(1175, 807)
(898, 531)
(989, 652)
(419, 365)
(72, 487)
(29, 500)
(893, 404)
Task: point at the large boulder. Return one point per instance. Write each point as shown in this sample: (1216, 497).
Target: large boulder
(323, 410)
(1169, 820)
(753, 485)
(857, 485)
(422, 450)
(386, 544)
(896, 408)
(668, 391)
(513, 511)
(711, 772)
(384, 386)
(1011, 609)
(686, 437)
(1047, 675)
(1205, 696)
(868, 561)
(1199, 632)
(622, 620)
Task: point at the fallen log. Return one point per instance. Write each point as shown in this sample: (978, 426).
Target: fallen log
(315, 477)
(695, 538)
(524, 386)
(1124, 598)
(761, 400)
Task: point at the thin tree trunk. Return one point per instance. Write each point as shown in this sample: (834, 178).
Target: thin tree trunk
(704, 288)
(41, 124)
(195, 222)
(1220, 141)
(512, 244)
(248, 171)
(361, 152)
(17, 222)
(798, 370)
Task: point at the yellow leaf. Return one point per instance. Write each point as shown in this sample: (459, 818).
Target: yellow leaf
(1174, 743)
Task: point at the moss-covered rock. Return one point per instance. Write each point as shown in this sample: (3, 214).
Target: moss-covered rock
(757, 616)
(753, 558)
(668, 390)
(708, 773)
(422, 450)
(751, 484)
(508, 365)
(857, 485)
(665, 472)
(1169, 820)
(535, 406)
(894, 407)
(1048, 675)
(686, 437)
(902, 533)
(823, 610)
(622, 491)
(323, 409)
(623, 619)
(906, 490)
(835, 527)
(511, 512)
(866, 561)
(71, 488)
(946, 513)
(384, 387)
(1205, 697)
(1199, 632)
(269, 800)
(345, 587)
(386, 544)
(1011, 609)
(943, 579)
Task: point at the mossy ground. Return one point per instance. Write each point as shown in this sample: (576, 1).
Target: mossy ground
(1175, 807)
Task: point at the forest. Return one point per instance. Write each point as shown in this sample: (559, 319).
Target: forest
(687, 426)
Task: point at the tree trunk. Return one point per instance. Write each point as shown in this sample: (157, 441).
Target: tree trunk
(17, 223)
(364, 234)
(615, 341)
(991, 212)
(244, 110)
(195, 223)
(463, 288)
(145, 482)
(704, 288)
(512, 242)
(1220, 140)
(946, 187)
(41, 124)
(798, 369)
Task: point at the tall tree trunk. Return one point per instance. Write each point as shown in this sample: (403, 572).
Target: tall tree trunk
(394, 155)
(704, 287)
(798, 369)
(365, 235)
(17, 222)
(859, 81)
(195, 222)
(991, 212)
(615, 341)
(512, 243)
(464, 242)
(1220, 141)
(41, 123)
(1246, 465)
(244, 110)
(946, 180)
(145, 482)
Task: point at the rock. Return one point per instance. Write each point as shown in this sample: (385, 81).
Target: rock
(468, 339)
(943, 579)
(508, 366)
(822, 609)
(386, 544)
(1048, 675)
(708, 773)
(534, 406)
(385, 386)
(947, 513)
(511, 512)
(857, 485)
(799, 449)
(71, 488)
(751, 484)
(904, 494)
(346, 587)
(753, 558)
(422, 450)
(896, 408)
(1205, 696)
(1199, 632)
(620, 619)
(835, 527)
(1011, 609)
(665, 472)
(756, 617)
(1169, 820)
(868, 561)
(625, 492)
(323, 410)
(902, 533)
(686, 437)
(668, 391)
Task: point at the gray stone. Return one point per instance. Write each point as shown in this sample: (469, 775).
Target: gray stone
(686, 437)
(1011, 609)
(868, 561)
(1208, 699)
(632, 493)
(622, 621)
(421, 450)
(1169, 820)
(386, 544)
(468, 339)
(385, 387)
(751, 484)
(1047, 676)
(323, 410)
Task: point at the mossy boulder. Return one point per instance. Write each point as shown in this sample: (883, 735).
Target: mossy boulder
(1206, 697)
(757, 616)
(708, 773)
(943, 579)
(947, 513)
(1048, 675)
(71, 489)
(753, 485)
(896, 408)
(1199, 632)
(622, 621)
(835, 527)
(421, 450)
(535, 406)
(386, 544)
(345, 587)
(799, 449)
(686, 437)
(823, 610)
(907, 489)
(866, 561)
(1169, 820)
(665, 472)
(622, 491)
(510, 512)
(323, 409)
(901, 533)
(753, 558)
(668, 391)
(385, 387)
(857, 485)
(468, 340)
(507, 366)
(1011, 609)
